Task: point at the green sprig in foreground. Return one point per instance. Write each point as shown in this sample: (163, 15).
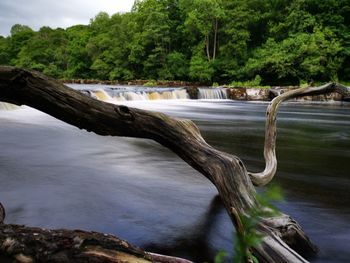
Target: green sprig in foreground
(249, 237)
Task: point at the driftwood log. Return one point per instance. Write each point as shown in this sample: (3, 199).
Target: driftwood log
(284, 240)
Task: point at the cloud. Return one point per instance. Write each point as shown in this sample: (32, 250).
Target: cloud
(62, 13)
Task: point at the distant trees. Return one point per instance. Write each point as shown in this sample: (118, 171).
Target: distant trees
(282, 41)
(12, 45)
(78, 60)
(45, 51)
(4, 51)
(304, 45)
(300, 56)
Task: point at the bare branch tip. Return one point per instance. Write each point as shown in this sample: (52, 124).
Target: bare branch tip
(2, 214)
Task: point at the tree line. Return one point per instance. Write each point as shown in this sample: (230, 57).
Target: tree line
(269, 41)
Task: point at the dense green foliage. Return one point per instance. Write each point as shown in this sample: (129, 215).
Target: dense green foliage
(275, 41)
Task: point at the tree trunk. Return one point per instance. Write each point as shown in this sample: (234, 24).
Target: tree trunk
(207, 48)
(215, 38)
(284, 240)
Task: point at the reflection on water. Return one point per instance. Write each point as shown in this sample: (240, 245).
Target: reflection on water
(55, 175)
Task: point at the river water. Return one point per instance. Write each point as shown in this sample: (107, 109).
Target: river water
(54, 175)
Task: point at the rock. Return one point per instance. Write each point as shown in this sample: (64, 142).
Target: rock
(275, 91)
(257, 94)
(237, 94)
(192, 92)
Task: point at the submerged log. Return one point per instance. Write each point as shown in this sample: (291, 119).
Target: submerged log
(283, 236)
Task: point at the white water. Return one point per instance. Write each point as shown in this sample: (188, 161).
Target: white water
(212, 93)
(118, 94)
(139, 93)
(142, 94)
(153, 95)
(7, 106)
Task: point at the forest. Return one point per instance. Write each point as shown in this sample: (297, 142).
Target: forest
(284, 42)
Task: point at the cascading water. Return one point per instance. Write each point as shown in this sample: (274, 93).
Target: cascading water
(102, 95)
(114, 94)
(212, 93)
(131, 94)
(7, 106)
(152, 94)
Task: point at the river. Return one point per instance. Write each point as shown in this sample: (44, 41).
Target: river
(54, 175)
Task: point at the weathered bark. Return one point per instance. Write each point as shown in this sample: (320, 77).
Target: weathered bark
(227, 172)
(264, 177)
(29, 245)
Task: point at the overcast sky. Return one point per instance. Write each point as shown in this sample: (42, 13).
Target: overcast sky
(53, 13)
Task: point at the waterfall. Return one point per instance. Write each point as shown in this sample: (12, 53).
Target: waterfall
(4, 106)
(130, 95)
(212, 93)
(102, 95)
(125, 94)
(138, 93)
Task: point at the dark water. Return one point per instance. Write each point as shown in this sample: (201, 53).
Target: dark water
(57, 176)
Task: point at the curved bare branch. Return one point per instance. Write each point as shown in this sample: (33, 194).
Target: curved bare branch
(264, 177)
(227, 172)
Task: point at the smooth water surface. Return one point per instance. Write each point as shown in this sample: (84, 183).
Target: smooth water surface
(56, 176)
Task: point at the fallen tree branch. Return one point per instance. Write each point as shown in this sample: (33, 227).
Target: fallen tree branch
(264, 177)
(227, 172)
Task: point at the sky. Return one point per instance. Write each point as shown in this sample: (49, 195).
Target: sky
(53, 13)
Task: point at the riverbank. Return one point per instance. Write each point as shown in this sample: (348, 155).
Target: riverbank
(137, 82)
(194, 89)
